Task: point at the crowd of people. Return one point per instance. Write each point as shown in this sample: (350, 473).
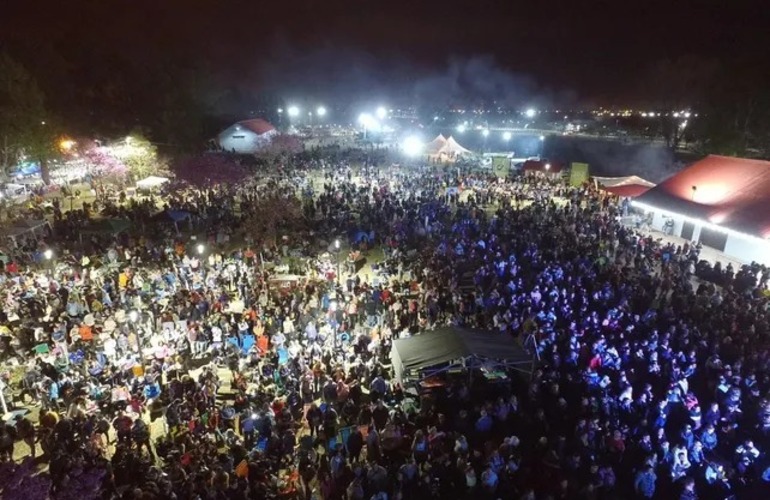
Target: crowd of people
(167, 366)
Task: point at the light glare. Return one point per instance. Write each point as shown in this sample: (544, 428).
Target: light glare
(412, 146)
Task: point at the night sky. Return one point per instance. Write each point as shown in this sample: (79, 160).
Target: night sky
(579, 51)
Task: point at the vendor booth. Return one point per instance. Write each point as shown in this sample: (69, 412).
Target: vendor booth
(151, 182)
(450, 348)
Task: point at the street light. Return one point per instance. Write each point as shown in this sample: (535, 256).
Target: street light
(337, 248)
(200, 248)
(507, 136)
(530, 113)
(293, 111)
(461, 128)
(48, 254)
(548, 166)
(333, 309)
(382, 113)
(542, 138)
(133, 316)
(321, 111)
(485, 132)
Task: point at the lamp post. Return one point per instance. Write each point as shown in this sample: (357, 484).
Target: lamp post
(337, 248)
(333, 309)
(48, 256)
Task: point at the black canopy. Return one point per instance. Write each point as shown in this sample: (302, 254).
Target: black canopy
(449, 344)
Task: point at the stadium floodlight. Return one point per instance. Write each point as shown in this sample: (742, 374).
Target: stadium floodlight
(369, 122)
(382, 113)
(412, 146)
(321, 111)
(507, 136)
(530, 113)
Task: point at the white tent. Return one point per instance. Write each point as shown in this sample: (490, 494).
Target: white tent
(434, 147)
(623, 181)
(151, 182)
(452, 148)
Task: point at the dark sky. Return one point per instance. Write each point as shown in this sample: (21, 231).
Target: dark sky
(585, 51)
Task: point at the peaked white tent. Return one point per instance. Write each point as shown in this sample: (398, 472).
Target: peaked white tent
(435, 146)
(452, 148)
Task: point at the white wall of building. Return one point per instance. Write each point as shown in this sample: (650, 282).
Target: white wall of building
(748, 249)
(242, 140)
(745, 249)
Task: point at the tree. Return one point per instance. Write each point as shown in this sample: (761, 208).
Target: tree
(140, 157)
(26, 129)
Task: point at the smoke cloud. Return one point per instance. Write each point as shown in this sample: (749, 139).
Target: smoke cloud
(346, 75)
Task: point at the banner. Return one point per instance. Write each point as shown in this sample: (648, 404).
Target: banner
(578, 174)
(501, 166)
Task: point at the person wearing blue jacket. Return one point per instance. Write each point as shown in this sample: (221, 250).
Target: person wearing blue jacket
(644, 482)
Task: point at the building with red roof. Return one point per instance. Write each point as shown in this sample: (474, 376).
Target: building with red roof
(247, 136)
(720, 201)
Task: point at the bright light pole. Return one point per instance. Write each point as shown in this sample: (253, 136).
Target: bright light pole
(333, 309)
(321, 111)
(367, 121)
(337, 248)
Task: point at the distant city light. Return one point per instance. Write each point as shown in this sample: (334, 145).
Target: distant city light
(293, 111)
(321, 111)
(382, 113)
(412, 146)
(507, 136)
(530, 113)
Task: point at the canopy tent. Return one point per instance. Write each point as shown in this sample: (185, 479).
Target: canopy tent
(453, 148)
(25, 228)
(627, 180)
(460, 347)
(151, 182)
(628, 190)
(107, 226)
(435, 146)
